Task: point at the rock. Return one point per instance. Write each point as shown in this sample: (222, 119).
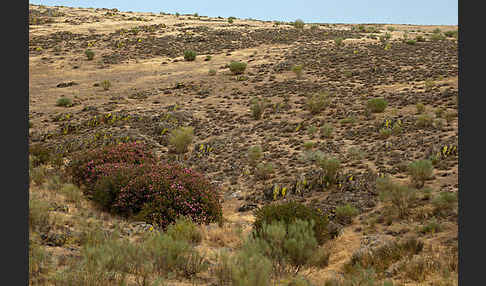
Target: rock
(247, 207)
(66, 84)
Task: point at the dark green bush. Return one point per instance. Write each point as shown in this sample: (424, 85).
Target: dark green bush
(89, 54)
(189, 55)
(289, 212)
(377, 105)
(237, 67)
(64, 101)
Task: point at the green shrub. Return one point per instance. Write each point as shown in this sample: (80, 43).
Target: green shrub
(431, 227)
(231, 19)
(212, 72)
(385, 132)
(39, 155)
(382, 257)
(317, 102)
(64, 101)
(297, 69)
(39, 216)
(208, 58)
(250, 267)
(451, 34)
(338, 42)
(420, 38)
(184, 229)
(263, 170)
(299, 24)
(355, 153)
(425, 120)
(255, 155)
(385, 38)
(54, 182)
(290, 247)
(437, 37)
(311, 130)
(377, 105)
(72, 193)
(401, 197)
(391, 28)
(106, 84)
(420, 108)
(288, 212)
(420, 171)
(439, 112)
(345, 213)
(449, 116)
(40, 264)
(189, 55)
(257, 107)
(327, 130)
(237, 67)
(39, 175)
(444, 203)
(410, 42)
(308, 145)
(181, 138)
(89, 54)
(331, 166)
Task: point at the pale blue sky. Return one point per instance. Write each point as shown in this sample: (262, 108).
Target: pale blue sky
(423, 12)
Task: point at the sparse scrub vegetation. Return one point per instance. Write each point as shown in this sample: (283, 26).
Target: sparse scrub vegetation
(264, 170)
(257, 107)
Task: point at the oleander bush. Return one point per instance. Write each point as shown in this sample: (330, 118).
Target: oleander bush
(84, 167)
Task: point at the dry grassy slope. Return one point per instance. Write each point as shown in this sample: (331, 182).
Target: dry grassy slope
(226, 113)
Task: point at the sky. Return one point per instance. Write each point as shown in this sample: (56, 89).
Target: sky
(417, 12)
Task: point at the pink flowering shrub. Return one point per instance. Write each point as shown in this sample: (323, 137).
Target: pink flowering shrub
(167, 191)
(127, 180)
(85, 168)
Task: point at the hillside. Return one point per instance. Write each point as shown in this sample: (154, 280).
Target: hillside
(139, 87)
